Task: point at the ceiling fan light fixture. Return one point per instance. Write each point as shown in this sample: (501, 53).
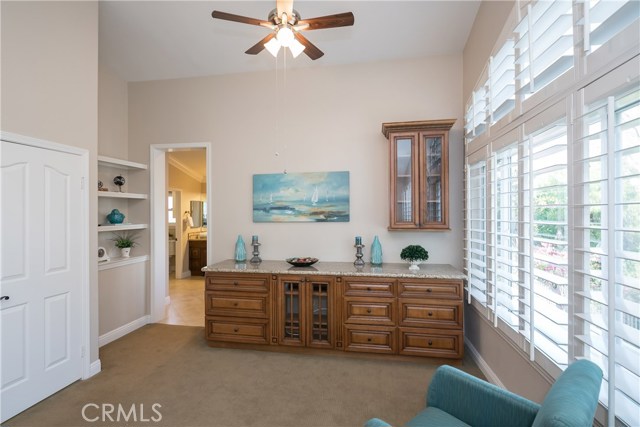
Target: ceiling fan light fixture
(273, 46)
(285, 36)
(296, 48)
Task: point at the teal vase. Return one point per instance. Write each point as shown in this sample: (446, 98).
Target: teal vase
(376, 252)
(115, 217)
(241, 252)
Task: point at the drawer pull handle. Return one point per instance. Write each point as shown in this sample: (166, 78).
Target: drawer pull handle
(369, 310)
(369, 288)
(428, 289)
(235, 283)
(430, 342)
(430, 313)
(368, 339)
(236, 330)
(235, 304)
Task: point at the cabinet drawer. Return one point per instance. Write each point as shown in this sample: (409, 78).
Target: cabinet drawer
(244, 283)
(370, 339)
(236, 305)
(237, 330)
(430, 313)
(369, 287)
(372, 311)
(430, 289)
(431, 342)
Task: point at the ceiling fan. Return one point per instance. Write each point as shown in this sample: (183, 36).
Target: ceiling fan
(286, 25)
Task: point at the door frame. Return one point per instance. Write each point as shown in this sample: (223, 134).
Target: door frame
(85, 298)
(159, 228)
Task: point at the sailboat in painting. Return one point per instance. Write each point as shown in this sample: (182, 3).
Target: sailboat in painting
(314, 197)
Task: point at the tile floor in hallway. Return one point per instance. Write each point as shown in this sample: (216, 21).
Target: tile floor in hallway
(187, 302)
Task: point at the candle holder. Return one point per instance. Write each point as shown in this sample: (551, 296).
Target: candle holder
(359, 263)
(256, 253)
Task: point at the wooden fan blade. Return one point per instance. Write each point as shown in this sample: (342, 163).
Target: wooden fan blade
(309, 48)
(329, 21)
(242, 19)
(259, 47)
(285, 6)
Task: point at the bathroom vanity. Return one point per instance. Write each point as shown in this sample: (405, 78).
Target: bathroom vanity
(197, 256)
(334, 306)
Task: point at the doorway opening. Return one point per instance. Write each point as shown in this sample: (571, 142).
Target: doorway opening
(180, 231)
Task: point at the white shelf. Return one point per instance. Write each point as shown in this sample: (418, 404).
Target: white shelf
(119, 195)
(122, 227)
(119, 262)
(119, 163)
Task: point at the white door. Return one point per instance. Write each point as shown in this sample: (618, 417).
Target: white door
(41, 274)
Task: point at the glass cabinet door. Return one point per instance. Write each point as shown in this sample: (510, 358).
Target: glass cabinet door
(320, 324)
(291, 312)
(433, 203)
(403, 185)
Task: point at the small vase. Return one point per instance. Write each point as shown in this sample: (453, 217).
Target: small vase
(415, 264)
(376, 252)
(125, 252)
(241, 252)
(115, 217)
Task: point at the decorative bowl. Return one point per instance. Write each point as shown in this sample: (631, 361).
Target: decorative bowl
(302, 262)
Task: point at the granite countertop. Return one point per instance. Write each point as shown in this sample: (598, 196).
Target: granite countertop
(429, 271)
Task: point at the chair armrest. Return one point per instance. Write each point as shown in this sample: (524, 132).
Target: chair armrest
(376, 422)
(477, 402)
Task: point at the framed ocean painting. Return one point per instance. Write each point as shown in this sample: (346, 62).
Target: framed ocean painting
(301, 197)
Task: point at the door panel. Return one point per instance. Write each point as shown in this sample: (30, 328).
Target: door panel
(42, 319)
(13, 221)
(56, 220)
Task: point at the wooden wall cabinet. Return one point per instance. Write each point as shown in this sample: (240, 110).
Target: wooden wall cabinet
(419, 174)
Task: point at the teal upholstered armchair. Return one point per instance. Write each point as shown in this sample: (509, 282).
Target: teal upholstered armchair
(456, 398)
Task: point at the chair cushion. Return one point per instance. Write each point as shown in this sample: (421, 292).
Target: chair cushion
(573, 398)
(436, 418)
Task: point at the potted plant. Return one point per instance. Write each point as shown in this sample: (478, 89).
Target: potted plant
(414, 254)
(125, 242)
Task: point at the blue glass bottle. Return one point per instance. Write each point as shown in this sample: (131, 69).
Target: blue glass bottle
(241, 252)
(376, 252)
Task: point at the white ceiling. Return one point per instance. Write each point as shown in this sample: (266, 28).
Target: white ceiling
(154, 40)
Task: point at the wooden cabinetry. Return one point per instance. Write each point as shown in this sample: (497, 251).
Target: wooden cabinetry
(384, 315)
(306, 311)
(419, 174)
(237, 308)
(197, 256)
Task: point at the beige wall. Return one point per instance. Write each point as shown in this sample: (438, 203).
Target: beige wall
(113, 113)
(49, 89)
(510, 366)
(485, 31)
(331, 121)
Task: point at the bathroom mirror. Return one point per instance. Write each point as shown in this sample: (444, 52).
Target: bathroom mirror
(199, 213)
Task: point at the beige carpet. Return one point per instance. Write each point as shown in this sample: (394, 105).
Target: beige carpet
(201, 386)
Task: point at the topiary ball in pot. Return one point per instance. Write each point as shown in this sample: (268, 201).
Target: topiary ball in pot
(414, 254)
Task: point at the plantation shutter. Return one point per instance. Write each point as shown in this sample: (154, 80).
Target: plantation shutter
(604, 19)
(607, 236)
(544, 45)
(502, 82)
(545, 251)
(476, 233)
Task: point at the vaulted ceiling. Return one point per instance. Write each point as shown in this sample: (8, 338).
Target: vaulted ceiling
(154, 40)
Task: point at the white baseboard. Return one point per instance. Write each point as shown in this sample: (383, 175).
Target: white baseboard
(484, 367)
(123, 330)
(95, 368)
